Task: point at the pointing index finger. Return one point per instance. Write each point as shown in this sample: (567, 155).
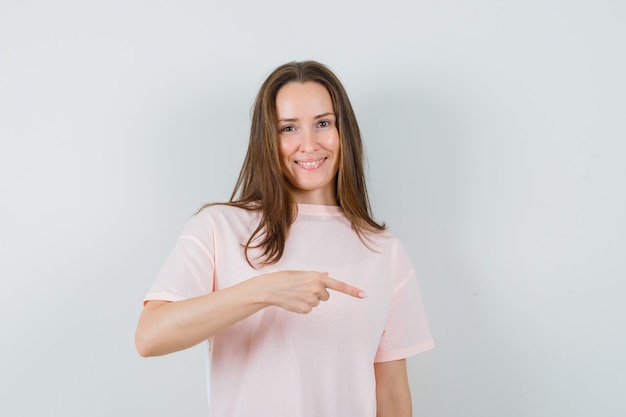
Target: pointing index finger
(341, 286)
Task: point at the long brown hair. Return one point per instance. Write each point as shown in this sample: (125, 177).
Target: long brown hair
(262, 185)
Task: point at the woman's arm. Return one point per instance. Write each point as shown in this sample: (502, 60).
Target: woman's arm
(393, 396)
(166, 327)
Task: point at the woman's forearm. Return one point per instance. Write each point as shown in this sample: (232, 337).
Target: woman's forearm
(166, 327)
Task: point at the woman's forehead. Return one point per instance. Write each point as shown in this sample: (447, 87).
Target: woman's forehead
(297, 100)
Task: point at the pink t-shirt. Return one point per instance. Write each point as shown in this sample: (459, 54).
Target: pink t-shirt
(277, 363)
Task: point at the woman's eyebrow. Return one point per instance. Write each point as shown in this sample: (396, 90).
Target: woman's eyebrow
(295, 119)
(325, 114)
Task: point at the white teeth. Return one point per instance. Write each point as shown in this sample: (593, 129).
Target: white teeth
(309, 164)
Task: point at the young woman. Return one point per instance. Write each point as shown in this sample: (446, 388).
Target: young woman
(311, 306)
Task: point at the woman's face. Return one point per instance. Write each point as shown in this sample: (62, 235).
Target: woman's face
(308, 141)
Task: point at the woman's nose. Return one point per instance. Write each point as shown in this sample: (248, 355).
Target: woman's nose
(309, 141)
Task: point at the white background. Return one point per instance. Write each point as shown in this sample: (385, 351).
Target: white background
(495, 133)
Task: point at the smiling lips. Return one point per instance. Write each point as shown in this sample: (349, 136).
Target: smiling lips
(311, 164)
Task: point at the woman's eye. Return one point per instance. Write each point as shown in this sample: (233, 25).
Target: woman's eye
(287, 129)
(324, 123)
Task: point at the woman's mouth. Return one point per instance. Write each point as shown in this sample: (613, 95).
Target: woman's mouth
(311, 164)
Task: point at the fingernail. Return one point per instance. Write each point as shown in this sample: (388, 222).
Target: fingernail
(362, 294)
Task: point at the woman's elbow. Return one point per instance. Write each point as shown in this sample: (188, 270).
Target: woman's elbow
(143, 345)
(147, 340)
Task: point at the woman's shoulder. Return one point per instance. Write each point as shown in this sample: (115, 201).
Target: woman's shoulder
(219, 216)
(385, 241)
(226, 211)
(232, 208)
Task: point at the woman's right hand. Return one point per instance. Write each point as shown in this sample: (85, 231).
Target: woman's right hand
(301, 291)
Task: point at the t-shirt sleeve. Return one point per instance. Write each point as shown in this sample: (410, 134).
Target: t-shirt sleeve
(406, 332)
(188, 270)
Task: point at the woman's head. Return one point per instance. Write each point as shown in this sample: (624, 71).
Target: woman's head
(263, 177)
(263, 158)
(308, 142)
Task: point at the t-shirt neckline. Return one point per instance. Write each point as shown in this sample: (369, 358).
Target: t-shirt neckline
(319, 210)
